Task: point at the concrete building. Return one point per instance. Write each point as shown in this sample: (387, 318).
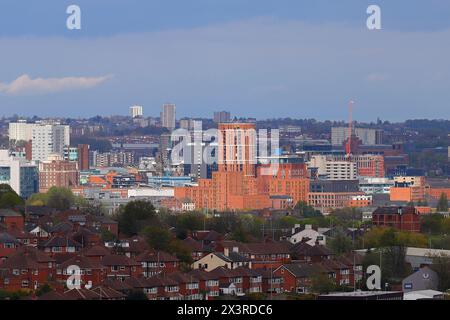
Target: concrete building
(20, 131)
(331, 169)
(222, 116)
(136, 111)
(20, 174)
(367, 136)
(48, 139)
(168, 115)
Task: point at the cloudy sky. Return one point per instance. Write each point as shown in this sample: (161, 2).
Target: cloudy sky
(257, 58)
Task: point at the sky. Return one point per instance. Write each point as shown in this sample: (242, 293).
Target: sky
(255, 58)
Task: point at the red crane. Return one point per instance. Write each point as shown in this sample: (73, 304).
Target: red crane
(348, 146)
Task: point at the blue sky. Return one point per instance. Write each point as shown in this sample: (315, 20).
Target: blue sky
(259, 58)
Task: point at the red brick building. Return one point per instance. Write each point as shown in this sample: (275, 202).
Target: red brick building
(401, 218)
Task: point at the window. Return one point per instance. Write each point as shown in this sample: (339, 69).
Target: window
(114, 268)
(16, 272)
(25, 284)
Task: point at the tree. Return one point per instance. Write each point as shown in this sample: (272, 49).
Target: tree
(443, 203)
(135, 216)
(432, 223)
(60, 198)
(8, 197)
(322, 283)
(441, 265)
(137, 295)
(10, 200)
(43, 290)
(306, 210)
(340, 243)
(158, 238)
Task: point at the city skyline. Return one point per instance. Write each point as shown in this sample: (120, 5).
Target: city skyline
(292, 59)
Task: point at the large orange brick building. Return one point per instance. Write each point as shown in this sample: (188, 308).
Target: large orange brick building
(239, 184)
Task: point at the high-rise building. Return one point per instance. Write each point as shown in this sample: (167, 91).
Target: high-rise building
(79, 153)
(83, 157)
(333, 169)
(368, 136)
(20, 174)
(168, 116)
(56, 172)
(222, 116)
(48, 139)
(237, 148)
(136, 111)
(20, 131)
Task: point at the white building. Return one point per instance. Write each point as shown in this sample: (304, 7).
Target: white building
(21, 175)
(308, 235)
(168, 116)
(20, 131)
(48, 139)
(375, 185)
(368, 136)
(334, 169)
(136, 111)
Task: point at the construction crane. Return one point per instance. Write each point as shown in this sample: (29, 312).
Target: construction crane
(348, 146)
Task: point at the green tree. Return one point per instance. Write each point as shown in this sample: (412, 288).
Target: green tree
(135, 216)
(60, 198)
(441, 265)
(443, 203)
(306, 210)
(322, 283)
(136, 295)
(158, 238)
(340, 243)
(432, 223)
(9, 200)
(43, 290)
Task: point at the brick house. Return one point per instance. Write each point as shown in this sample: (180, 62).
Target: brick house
(156, 262)
(121, 267)
(296, 277)
(208, 283)
(91, 271)
(401, 218)
(8, 245)
(11, 219)
(26, 269)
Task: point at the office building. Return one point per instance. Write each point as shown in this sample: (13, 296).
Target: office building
(367, 136)
(168, 116)
(222, 116)
(19, 173)
(48, 139)
(20, 131)
(136, 111)
(237, 150)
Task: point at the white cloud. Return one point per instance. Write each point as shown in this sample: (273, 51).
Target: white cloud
(25, 85)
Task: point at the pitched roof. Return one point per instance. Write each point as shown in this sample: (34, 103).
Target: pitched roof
(82, 262)
(196, 246)
(156, 256)
(300, 270)
(118, 260)
(302, 248)
(53, 296)
(6, 237)
(81, 294)
(9, 213)
(96, 251)
(60, 241)
(106, 292)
